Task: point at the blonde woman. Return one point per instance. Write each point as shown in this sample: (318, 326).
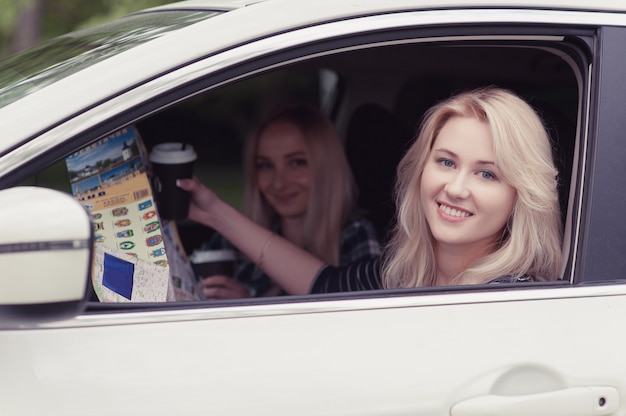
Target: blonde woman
(299, 185)
(477, 203)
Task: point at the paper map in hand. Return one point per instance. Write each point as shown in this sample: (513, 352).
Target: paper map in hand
(109, 177)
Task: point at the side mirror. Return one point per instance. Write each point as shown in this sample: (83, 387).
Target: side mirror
(45, 256)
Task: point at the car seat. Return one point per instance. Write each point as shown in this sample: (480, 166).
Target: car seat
(375, 143)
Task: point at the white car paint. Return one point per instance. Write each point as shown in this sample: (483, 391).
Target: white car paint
(340, 358)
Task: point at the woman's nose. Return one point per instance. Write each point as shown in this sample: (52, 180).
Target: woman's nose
(457, 186)
(278, 179)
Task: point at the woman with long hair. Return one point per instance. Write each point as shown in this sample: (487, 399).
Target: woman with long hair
(299, 185)
(476, 201)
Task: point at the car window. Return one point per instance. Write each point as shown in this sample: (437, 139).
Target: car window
(355, 85)
(537, 70)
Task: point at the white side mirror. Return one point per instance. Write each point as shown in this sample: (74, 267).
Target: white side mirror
(45, 255)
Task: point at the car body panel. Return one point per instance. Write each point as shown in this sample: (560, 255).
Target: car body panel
(316, 358)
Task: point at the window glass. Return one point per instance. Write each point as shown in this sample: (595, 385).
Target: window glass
(60, 57)
(217, 122)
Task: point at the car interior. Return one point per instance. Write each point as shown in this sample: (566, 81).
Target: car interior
(376, 92)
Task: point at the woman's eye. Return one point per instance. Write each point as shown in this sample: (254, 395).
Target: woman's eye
(299, 162)
(446, 163)
(485, 174)
(263, 166)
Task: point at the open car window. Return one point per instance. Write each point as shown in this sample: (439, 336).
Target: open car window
(354, 80)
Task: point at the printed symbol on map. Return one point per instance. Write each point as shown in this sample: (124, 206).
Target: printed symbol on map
(154, 240)
(158, 252)
(162, 263)
(122, 223)
(119, 212)
(127, 245)
(125, 234)
(153, 226)
(149, 214)
(145, 205)
(96, 216)
(102, 193)
(98, 226)
(99, 238)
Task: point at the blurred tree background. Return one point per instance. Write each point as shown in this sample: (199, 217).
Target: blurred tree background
(24, 23)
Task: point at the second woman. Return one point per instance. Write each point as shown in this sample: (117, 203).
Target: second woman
(299, 185)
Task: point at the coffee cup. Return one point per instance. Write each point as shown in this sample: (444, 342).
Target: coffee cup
(170, 162)
(213, 262)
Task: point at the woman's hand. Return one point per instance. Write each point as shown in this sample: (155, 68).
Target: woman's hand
(288, 265)
(203, 199)
(223, 287)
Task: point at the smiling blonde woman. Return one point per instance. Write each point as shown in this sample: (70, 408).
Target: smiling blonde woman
(528, 243)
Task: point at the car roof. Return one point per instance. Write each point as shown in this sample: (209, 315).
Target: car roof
(360, 6)
(261, 18)
(224, 5)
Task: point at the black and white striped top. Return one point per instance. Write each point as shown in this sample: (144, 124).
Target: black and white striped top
(366, 275)
(362, 275)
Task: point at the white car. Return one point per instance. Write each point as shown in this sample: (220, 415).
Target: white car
(209, 68)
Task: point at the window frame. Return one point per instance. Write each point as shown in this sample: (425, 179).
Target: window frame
(194, 85)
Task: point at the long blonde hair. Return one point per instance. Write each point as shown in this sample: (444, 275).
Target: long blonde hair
(531, 240)
(332, 199)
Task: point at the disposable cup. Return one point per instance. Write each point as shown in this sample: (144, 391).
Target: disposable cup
(213, 262)
(170, 162)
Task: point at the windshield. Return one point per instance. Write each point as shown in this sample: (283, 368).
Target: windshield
(60, 57)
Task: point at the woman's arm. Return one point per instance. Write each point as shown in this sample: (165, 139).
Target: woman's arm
(290, 266)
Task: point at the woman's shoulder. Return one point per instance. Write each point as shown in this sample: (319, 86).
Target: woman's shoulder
(364, 274)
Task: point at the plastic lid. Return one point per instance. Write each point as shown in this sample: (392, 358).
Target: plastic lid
(205, 256)
(172, 153)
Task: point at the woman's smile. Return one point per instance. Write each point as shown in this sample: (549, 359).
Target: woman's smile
(284, 198)
(451, 213)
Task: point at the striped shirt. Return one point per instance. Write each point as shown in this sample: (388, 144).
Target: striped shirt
(366, 275)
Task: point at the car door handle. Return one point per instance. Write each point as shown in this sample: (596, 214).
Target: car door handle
(575, 401)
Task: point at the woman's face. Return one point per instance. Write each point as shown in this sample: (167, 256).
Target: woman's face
(466, 202)
(282, 169)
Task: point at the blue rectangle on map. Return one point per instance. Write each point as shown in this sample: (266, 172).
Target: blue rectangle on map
(118, 275)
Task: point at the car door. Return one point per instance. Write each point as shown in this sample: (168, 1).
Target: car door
(547, 348)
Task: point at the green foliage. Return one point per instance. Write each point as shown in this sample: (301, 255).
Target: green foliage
(57, 17)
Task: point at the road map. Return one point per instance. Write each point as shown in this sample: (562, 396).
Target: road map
(109, 178)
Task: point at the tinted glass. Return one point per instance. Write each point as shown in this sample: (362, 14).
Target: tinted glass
(42, 65)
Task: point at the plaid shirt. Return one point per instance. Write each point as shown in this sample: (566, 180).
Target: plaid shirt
(359, 241)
